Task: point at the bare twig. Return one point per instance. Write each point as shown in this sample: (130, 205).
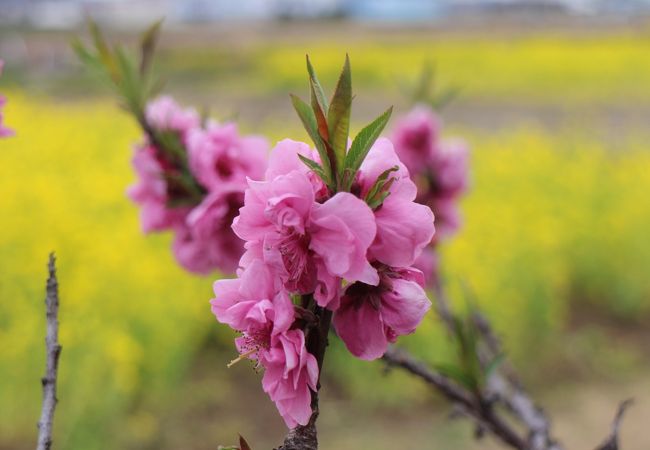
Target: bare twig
(503, 387)
(481, 412)
(611, 443)
(53, 350)
(509, 391)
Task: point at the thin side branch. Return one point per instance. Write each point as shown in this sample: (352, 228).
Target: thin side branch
(611, 443)
(481, 412)
(503, 388)
(53, 351)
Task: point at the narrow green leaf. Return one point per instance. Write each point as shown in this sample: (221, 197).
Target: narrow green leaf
(338, 116)
(378, 200)
(148, 46)
(494, 365)
(445, 97)
(457, 374)
(320, 94)
(380, 182)
(313, 165)
(130, 86)
(103, 51)
(380, 188)
(365, 139)
(318, 102)
(309, 122)
(321, 120)
(422, 92)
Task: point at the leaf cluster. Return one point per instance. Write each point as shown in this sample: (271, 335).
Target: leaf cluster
(328, 126)
(136, 83)
(133, 78)
(427, 91)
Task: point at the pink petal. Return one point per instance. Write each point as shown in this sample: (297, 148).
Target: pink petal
(361, 329)
(403, 308)
(404, 228)
(342, 230)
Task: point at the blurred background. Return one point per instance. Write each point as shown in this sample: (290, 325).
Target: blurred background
(554, 101)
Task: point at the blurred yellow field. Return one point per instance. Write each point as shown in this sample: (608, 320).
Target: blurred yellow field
(555, 225)
(550, 217)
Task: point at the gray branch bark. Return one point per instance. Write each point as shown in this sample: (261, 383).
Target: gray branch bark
(611, 443)
(53, 350)
(503, 388)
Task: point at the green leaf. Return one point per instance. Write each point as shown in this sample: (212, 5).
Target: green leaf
(424, 84)
(364, 140)
(318, 102)
(148, 45)
(494, 365)
(338, 116)
(103, 51)
(445, 97)
(313, 165)
(309, 122)
(457, 374)
(380, 188)
(129, 85)
(320, 94)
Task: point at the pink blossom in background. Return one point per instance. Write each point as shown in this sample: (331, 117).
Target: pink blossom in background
(450, 165)
(415, 137)
(371, 317)
(439, 169)
(427, 263)
(164, 114)
(219, 155)
(205, 241)
(4, 131)
(197, 193)
(150, 193)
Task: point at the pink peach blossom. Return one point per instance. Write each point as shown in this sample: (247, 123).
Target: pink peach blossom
(164, 114)
(219, 155)
(371, 317)
(284, 159)
(404, 227)
(428, 263)
(282, 222)
(150, 193)
(450, 167)
(254, 304)
(205, 241)
(291, 373)
(415, 137)
(4, 131)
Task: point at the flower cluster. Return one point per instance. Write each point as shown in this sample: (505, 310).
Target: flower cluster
(4, 131)
(330, 251)
(439, 169)
(191, 180)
